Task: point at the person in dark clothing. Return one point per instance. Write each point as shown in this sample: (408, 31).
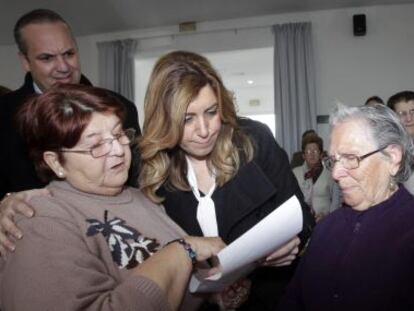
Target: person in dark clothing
(49, 54)
(360, 256)
(216, 174)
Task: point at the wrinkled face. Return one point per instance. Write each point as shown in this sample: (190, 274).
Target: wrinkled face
(368, 184)
(312, 154)
(405, 110)
(105, 175)
(202, 125)
(52, 56)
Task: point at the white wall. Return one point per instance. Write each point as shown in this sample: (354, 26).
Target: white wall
(348, 68)
(11, 72)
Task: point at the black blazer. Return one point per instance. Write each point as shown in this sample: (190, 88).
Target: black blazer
(258, 188)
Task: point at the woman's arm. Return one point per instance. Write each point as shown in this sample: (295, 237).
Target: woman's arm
(171, 267)
(54, 266)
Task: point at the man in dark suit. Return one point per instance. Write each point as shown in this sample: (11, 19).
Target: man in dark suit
(49, 55)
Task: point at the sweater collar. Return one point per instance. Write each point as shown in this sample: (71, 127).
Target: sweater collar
(125, 196)
(381, 207)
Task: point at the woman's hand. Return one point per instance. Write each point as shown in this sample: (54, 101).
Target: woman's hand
(171, 266)
(205, 248)
(10, 206)
(233, 296)
(236, 294)
(284, 255)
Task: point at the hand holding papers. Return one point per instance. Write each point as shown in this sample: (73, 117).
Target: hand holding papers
(240, 257)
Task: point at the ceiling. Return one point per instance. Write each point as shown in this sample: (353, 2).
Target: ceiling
(101, 16)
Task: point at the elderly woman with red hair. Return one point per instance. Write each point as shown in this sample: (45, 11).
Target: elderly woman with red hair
(94, 244)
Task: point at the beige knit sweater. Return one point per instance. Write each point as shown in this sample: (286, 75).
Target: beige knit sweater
(77, 252)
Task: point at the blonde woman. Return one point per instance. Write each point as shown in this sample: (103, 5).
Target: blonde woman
(216, 174)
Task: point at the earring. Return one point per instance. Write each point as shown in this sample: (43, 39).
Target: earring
(60, 174)
(392, 185)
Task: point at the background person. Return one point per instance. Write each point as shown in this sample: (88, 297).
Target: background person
(94, 244)
(319, 189)
(360, 256)
(373, 100)
(403, 104)
(216, 174)
(297, 157)
(49, 54)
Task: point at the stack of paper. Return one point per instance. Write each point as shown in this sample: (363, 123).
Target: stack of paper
(240, 257)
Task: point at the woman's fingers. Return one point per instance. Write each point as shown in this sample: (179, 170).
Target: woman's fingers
(284, 255)
(235, 295)
(9, 207)
(12, 204)
(205, 247)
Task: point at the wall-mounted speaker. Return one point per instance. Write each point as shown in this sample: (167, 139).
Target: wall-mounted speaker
(360, 25)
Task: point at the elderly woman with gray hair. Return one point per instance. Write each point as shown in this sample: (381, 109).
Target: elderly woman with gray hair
(361, 256)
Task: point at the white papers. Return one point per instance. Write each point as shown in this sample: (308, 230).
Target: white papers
(239, 258)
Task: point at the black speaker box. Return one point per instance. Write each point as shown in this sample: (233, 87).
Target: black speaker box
(360, 25)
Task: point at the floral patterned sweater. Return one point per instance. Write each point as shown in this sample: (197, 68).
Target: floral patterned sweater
(78, 250)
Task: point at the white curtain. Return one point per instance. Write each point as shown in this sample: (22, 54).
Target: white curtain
(295, 92)
(116, 66)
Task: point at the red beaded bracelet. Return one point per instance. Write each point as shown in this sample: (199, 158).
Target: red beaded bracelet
(191, 253)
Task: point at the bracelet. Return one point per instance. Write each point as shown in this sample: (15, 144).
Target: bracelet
(191, 253)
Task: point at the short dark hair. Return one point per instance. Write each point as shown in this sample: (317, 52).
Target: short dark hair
(403, 96)
(36, 16)
(57, 118)
(312, 138)
(307, 132)
(376, 99)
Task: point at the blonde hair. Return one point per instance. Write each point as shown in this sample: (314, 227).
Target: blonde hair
(175, 82)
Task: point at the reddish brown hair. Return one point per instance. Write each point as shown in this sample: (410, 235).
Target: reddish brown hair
(57, 119)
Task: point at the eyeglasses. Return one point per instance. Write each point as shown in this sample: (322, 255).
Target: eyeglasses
(105, 146)
(404, 114)
(312, 151)
(348, 161)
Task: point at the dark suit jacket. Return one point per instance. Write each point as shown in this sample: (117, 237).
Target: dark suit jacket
(16, 169)
(259, 187)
